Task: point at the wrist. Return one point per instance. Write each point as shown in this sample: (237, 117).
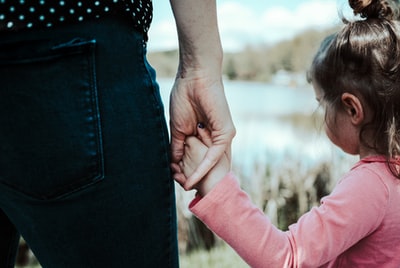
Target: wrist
(210, 181)
(200, 65)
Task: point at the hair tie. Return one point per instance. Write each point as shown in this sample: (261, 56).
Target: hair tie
(358, 5)
(366, 3)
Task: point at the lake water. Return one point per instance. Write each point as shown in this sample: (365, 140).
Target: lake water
(262, 137)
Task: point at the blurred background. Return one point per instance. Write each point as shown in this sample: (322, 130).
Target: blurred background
(280, 153)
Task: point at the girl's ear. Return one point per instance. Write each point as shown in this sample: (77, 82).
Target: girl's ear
(353, 108)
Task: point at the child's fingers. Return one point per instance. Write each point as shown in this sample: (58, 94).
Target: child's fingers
(175, 168)
(181, 179)
(204, 135)
(179, 176)
(177, 171)
(213, 154)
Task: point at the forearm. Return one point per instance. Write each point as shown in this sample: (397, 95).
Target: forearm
(243, 226)
(199, 40)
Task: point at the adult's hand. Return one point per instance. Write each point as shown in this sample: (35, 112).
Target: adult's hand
(198, 94)
(201, 99)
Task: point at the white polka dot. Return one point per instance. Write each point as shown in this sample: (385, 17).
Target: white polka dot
(142, 15)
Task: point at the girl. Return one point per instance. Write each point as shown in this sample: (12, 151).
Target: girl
(356, 78)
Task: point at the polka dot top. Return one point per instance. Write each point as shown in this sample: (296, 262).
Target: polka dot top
(33, 14)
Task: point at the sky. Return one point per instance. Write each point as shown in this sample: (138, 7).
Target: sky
(251, 22)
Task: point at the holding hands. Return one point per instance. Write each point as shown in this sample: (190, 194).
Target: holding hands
(198, 92)
(192, 103)
(195, 150)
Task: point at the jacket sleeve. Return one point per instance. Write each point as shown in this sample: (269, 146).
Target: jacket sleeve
(350, 213)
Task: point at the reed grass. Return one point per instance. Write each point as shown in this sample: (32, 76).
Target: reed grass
(221, 256)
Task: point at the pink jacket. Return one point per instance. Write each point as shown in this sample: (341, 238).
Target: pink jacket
(357, 225)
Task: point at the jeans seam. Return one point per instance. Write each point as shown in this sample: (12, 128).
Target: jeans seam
(170, 186)
(12, 251)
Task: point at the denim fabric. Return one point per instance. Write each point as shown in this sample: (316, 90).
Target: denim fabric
(84, 153)
(9, 238)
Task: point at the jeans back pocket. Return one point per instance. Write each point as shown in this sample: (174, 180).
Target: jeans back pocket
(50, 134)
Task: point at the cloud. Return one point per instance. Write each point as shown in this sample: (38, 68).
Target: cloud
(163, 35)
(241, 25)
(238, 25)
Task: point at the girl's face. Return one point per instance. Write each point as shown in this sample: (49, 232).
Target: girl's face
(338, 126)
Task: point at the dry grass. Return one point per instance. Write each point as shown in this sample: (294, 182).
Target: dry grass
(221, 256)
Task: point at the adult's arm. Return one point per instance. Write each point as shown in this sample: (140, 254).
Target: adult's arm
(198, 94)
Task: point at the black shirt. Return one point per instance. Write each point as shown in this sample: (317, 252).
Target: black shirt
(33, 14)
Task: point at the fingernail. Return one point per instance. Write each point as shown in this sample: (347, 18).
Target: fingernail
(200, 125)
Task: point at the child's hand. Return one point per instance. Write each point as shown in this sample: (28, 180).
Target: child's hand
(195, 151)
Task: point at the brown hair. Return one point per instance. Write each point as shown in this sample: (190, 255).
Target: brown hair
(363, 58)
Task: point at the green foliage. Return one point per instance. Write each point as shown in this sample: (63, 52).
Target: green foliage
(256, 63)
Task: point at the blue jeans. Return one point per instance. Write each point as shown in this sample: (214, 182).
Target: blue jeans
(84, 151)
